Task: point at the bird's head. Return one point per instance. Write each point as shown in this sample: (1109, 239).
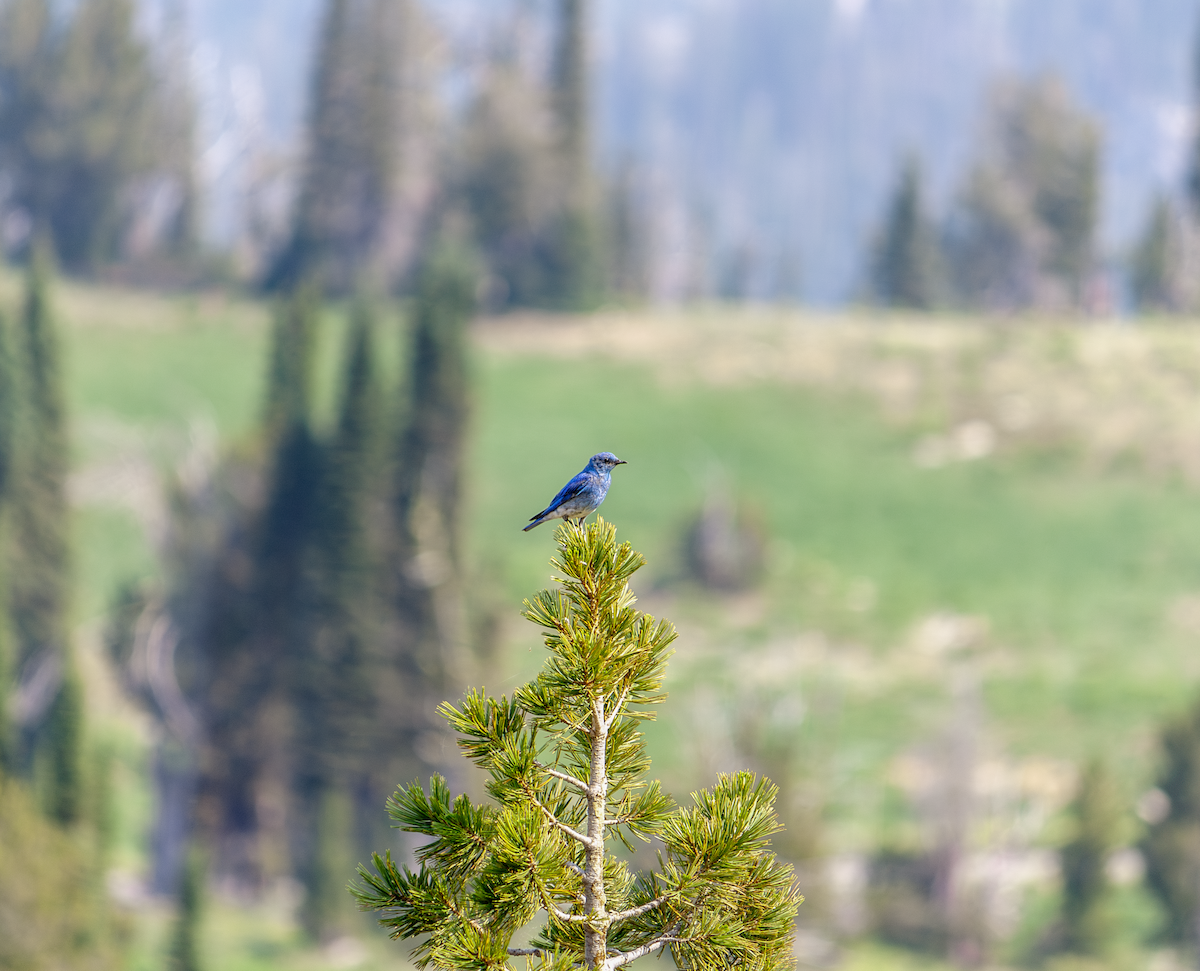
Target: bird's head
(605, 462)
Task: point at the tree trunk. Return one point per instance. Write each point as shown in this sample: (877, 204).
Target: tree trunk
(595, 903)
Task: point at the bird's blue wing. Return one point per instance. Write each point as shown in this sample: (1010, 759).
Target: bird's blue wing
(567, 493)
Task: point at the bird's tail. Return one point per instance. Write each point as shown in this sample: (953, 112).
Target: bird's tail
(536, 520)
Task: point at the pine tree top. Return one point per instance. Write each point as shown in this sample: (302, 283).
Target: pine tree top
(567, 770)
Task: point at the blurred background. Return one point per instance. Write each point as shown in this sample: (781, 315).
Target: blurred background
(891, 306)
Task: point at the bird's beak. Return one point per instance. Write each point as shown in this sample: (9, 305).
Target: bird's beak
(621, 462)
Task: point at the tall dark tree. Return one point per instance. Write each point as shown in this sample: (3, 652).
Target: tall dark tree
(39, 567)
(576, 268)
(28, 61)
(505, 161)
(905, 261)
(1172, 845)
(349, 187)
(337, 692)
(9, 415)
(76, 121)
(429, 468)
(1192, 178)
(1087, 922)
(1153, 269)
(626, 243)
(1024, 232)
(184, 953)
(176, 120)
(571, 97)
(63, 746)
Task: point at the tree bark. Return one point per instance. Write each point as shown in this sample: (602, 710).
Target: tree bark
(595, 902)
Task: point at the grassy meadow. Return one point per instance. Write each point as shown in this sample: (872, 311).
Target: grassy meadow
(994, 525)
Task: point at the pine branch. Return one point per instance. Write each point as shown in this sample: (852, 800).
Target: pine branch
(608, 724)
(552, 908)
(569, 779)
(526, 952)
(640, 952)
(555, 822)
(637, 911)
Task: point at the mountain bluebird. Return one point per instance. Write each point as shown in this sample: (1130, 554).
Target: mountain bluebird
(583, 494)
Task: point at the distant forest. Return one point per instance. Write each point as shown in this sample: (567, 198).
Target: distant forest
(735, 151)
(770, 133)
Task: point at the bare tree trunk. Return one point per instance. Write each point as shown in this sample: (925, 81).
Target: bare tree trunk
(595, 902)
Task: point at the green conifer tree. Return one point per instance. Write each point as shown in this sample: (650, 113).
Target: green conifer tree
(9, 415)
(52, 914)
(566, 769)
(349, 185)
(1087, 921)
(289, 371)
(1025, 231)
(429, 465)
(1171, 846)
(575, 260)
(175, 120)
(101, 118)
(505, 160)
(243, 609)
(28, 59)
(40, 578)
(325, 913)
(337, 689)
(906, 259)
(10, 403)
(184, 954)
(1192, 178)
(292, 474)
(39, 570)
(63, 744)
(1153, 270)
(571, 93)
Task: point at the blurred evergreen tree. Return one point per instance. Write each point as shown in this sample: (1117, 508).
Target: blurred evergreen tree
(1192, 176)
(39, 569)
(175, 121)
(576, 270)
(184, 953)
(504, 160)
(571, 99)
(52, 912)
(292, 475)
(337, 689)
(76, 121)
(63, 744)
(28, 70)
(316, 598)
(626, 243)
(326, 912)
(9, 414)
(1155, 260)
(1171, 846)
(1086, 917)
(522, 170)
(428, 490)
(350, 183)
(905, 263)
(1024, 232)
(251, 648)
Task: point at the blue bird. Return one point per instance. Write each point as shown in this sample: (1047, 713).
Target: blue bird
(583, 494)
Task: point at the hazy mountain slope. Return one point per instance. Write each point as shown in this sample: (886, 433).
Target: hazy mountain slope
(769, 130)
